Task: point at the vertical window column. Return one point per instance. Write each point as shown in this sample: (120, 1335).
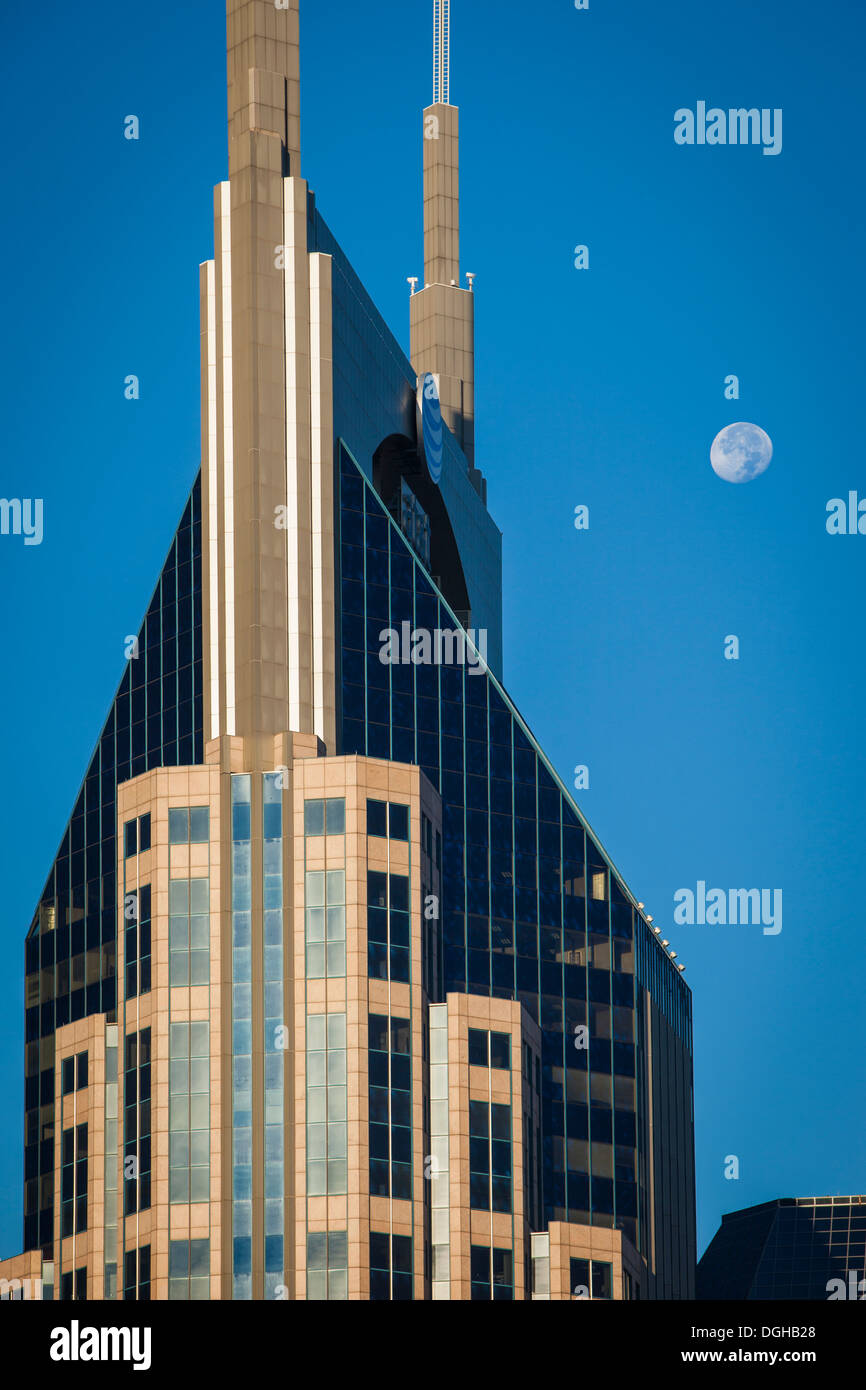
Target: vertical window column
(327, 1266)
(390, 1268)
(136, 946)
(144, 938)
(189, 931)
(388, 926)
(73, 1180)
(189, 1269)
(390, 1107)
(242, 1041)
(136, 1123)
(327, 1106)
(540, 1255)
(440, 1216)
(136, 1275)
(274, 1040)
(189, 1113)
(325, 923)
(110, 1171)
(489, 1156)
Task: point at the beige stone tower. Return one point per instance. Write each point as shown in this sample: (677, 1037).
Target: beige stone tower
(442, 314)
(267, 443)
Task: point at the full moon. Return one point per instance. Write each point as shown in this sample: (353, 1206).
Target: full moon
(740, 452)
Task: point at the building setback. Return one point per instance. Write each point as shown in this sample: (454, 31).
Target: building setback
(331, 992)
(795, 1247)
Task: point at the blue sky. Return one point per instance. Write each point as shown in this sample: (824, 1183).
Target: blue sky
(602, 387)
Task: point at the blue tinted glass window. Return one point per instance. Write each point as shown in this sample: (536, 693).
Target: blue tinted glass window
(500, 1050)
(178, 825)
(478, 1047)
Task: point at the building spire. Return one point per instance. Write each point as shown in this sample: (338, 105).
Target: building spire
(441, 163)
(267, 418)
(442, 313)
(441, 52)
(263, 80)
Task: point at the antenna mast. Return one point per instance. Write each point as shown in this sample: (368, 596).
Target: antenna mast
(441, 52)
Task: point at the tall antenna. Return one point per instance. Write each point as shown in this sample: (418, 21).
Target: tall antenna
(441, 52)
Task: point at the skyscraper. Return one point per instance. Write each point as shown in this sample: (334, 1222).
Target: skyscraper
(794, 1247)
(331, 992)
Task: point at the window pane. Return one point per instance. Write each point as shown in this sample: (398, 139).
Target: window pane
(602, 1282)
(400, 1036)
(199, 895)
(315, 889)
(480, 1264)
(500, 1121)
(500, 1050)
(399, 892)
(336, 887)
(317, 1250)
(178, 897)
(398, 818)
(199, 967)
(377, 814)
(477, 1047)
(502, 1267)
(478, 1118)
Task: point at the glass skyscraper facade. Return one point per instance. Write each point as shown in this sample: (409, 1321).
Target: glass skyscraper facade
(794, 1248)
(532, 908)
(71, 950)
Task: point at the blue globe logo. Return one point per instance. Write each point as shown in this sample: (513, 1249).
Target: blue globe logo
(431, 422)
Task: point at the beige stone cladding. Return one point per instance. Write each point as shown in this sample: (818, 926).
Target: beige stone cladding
(80, 1107)
(156, 793)
(22, 1276)
(570, 1241)
(513, 1086)
(355, 995)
